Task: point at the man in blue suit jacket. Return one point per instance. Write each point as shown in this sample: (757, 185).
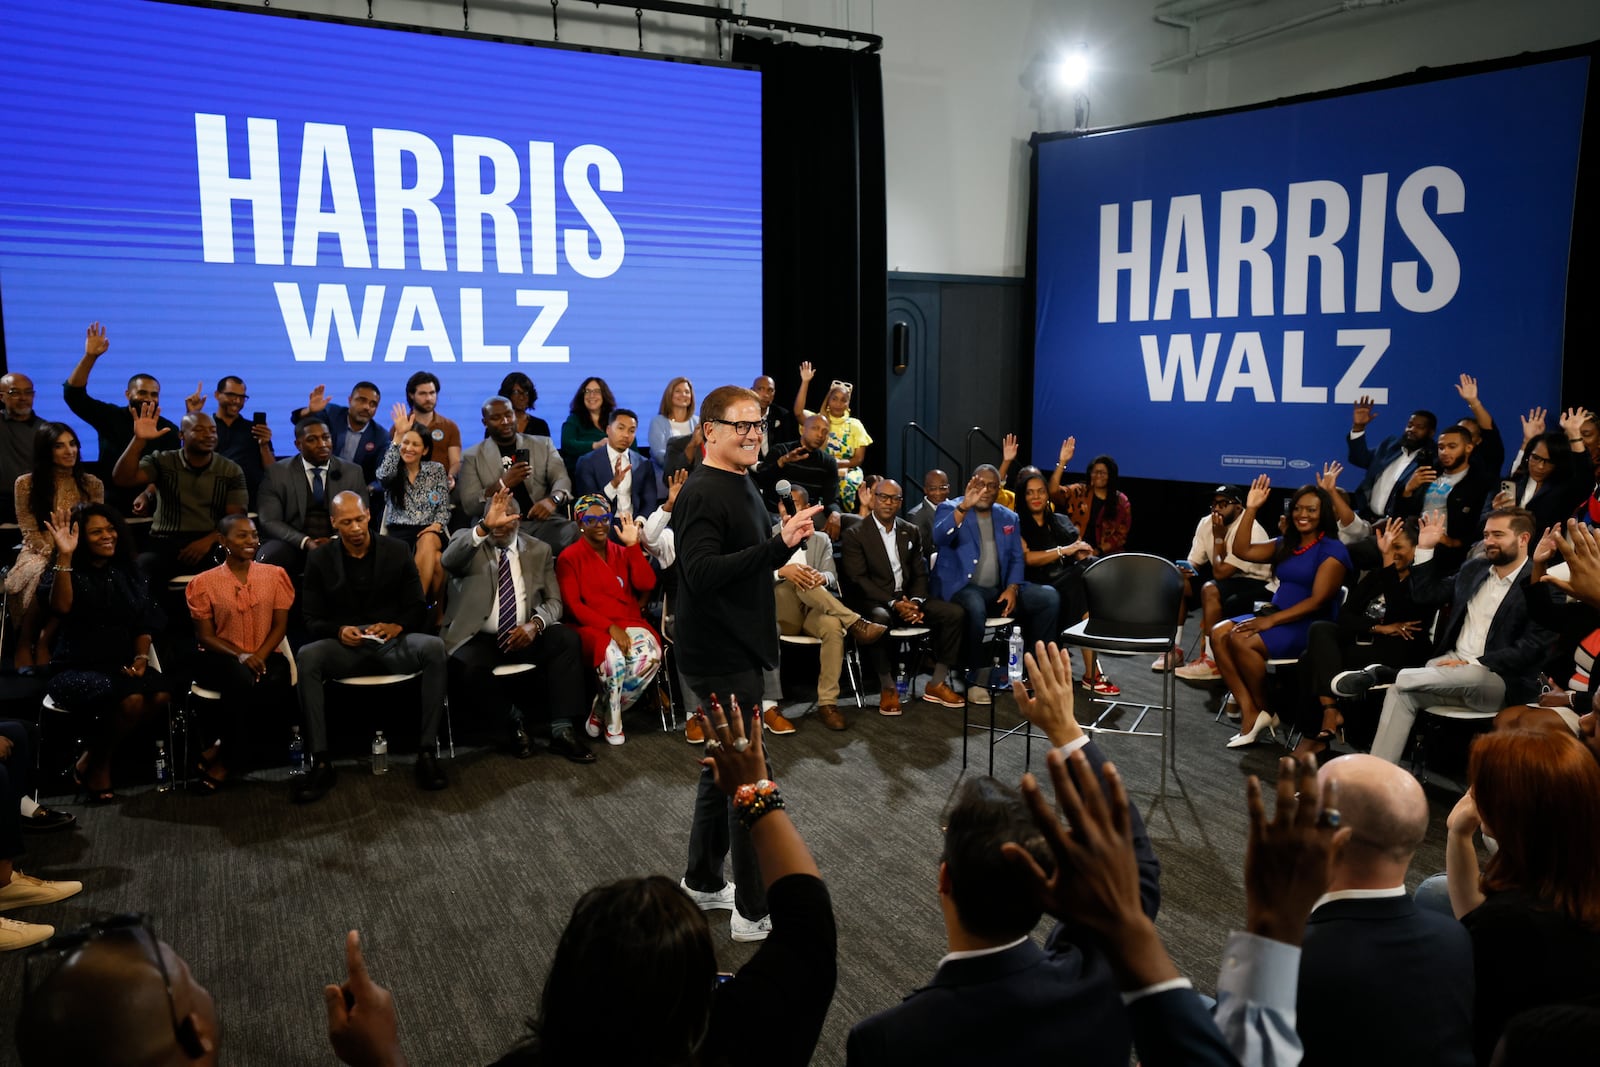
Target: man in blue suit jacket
(979, 566)
(607, 470)
(358, 437)
(1396, 459)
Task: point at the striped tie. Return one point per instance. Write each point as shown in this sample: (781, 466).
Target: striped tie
(508, 599)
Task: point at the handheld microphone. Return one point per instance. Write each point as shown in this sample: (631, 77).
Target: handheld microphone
(783, 489)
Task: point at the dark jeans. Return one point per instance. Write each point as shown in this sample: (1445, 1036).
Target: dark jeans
(159, 561)
(945, 621)
(716, 831)
(329, 660)
(1037, 608)
(16, 771)
(243, 697)
(557, 683)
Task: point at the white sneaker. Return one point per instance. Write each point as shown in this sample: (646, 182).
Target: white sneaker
(15, 935)
(614, 735)
(716, 900)
(977, 694)
(742, 929)
(25, 891)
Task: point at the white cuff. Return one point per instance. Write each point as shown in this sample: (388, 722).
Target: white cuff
(1072, 746)
(1260, 970)
(1159, 987)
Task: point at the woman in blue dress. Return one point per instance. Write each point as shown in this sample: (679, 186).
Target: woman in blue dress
(1310, 564)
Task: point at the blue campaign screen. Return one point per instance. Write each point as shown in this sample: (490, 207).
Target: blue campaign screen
(304, 202)
(1215, 293)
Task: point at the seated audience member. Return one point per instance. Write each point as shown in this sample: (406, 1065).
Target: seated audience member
(603, 585)
(980, 569)
(1488, 651)
(935, 491)
(1576, 622)
(781, 424)
(1488, 447)
(588, 416)
(58, 479)
(1310, 564)
(684, 452)
(656, 538)
(194, 486)
(1228, 585)
(1055, 555)
(111, 994)
(676, 418)
(1098, 509)
(1554, 478)
(807, 588)
(1354, 530)
(805, 464)
(101, 660)
(1371, 955)
(887, 583)
(112, 423)
(18, 425)
(655, 927)
(416, 489)
(519, 389)
(999, 997)
(1534, 910)
(422, 393)
(247, 443)
(505, 607)
(617, 472)
(357, 438)
(1380, 623)
(864, 495)
(1451, 488)
(294, 496)
(847, 438)
(363, 608)
(19, 813)
(241, 613)
(1393, 463)
(525, 464)
(1589, 434)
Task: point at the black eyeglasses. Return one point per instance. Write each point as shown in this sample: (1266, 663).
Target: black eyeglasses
(743, 428)
(42, 962)
(240, 397)
(1534, 457)
(893, 498)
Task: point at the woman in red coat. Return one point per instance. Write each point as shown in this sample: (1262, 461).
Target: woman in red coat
(602, 586)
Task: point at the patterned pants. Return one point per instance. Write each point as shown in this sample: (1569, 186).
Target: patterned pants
(626, 674)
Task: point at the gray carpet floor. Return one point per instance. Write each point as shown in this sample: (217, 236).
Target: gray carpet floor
(460, 896)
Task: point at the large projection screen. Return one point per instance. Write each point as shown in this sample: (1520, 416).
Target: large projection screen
(1214, 293)
(302, 202)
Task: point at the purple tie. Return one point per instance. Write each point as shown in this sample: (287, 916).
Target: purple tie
(508, 598)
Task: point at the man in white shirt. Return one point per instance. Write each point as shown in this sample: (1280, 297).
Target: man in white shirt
(1228, 585)
(1487, 654)
(1396, 457)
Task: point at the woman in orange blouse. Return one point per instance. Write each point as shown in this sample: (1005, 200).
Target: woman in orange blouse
(241, 612)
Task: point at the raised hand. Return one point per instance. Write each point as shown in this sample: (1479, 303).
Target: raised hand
(675, 482)
(1049, 707)
(63, 531)
(629, 531)
(1362, 414)
(973, 495)
(799, 526)
(1385, 531)
(145, 427)
(1008, 448)
(195, 402)
(1430, 530)
(734, 759)
(1420, 477)
(1547, 545)
(1068, 448)
(1329, 480)
(94, 341)
(1572, 421)
(807, 372)
(500, 509)
(362, 1025)
(1288, 861)
(318, 400)
(1532, 424)
(1260, 491)
(401, 416)
(1468, 388)
(620, 471)
(1581, 549)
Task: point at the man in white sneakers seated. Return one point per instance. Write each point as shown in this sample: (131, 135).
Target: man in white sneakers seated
(1227, 585)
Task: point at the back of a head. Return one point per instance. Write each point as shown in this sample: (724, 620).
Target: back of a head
(1551, 1034)
(640, 944)
(1385, 808)
(993, 895)
(104, 1006)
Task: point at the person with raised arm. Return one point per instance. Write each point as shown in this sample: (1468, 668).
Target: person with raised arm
(357, 437)
(112, 423)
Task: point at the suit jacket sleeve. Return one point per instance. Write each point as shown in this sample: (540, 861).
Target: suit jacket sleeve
(272, 504)
(470, 483)
(819, 554)
(551, 605)
(1144, 853)
(853, 559)
(644, 486)
(640, 574)
(1360, 452)
(914, 569)
(1172, 1029)
(315, 602)
(555, 472)
(459, 554)
(588, 478)
(1531, 646)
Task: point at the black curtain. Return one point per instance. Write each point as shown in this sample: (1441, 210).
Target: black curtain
(822, 203)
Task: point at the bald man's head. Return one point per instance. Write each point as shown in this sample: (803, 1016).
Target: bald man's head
(106, 1006)
(1387, 813)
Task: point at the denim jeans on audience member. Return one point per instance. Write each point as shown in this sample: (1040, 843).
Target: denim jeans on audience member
(1037, 607)
(1434, 895)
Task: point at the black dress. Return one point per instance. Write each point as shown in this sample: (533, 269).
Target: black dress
(111, 609)
(1064, 575)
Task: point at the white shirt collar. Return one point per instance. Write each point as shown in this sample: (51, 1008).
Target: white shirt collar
(1359, 894)
(974, 953)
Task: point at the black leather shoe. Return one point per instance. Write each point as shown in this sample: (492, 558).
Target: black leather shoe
(429, 774)
(44, 820)
(314, 784)
(567, 744)
(521, 743)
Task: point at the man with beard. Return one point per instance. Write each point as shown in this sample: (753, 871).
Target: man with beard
(1487, 653)
(357, 437)
(1391, 465)
(422, 391)
(1455, 489)
(247, 443)
(527, 465)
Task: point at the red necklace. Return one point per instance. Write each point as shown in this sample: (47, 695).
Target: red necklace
(1313, 544)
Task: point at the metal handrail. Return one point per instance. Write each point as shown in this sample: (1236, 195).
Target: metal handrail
(985, 435)
(905, 475)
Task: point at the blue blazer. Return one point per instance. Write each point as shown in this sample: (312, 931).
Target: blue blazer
(1516, 646)
(593, 474)
(1361, 455)
(958, 548)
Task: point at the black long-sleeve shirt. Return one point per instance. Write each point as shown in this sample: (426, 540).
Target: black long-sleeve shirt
(340, 591)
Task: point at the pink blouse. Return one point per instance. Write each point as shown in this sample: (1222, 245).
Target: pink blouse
(241, 614)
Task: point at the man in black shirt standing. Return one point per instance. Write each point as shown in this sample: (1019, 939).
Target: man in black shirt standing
(112, 423)
(727, 630)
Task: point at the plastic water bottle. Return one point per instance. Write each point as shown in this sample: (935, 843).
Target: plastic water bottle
(902, 681)
(1014, 665)
(163, 778)
(297, 752)
(380, 754)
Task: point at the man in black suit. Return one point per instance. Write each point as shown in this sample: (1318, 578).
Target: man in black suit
(292, 504)
(892, 590)
(780, 423)
(1486, 655)
(363, 607)
(1453, 487)
(618, 471)
(1382, 982)
(1394, 461)
(998, 997)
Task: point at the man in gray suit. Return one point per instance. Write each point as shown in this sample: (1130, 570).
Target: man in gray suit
(292, 502)
(505, 607)
(529, 467)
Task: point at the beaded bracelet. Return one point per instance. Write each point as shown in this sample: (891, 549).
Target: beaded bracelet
(751, 802)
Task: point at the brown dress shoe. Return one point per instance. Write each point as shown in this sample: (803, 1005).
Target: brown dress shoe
(829, 714)
(692, 732)
(943, 694)
(866, 632)
(889, 701)
(775, 722)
